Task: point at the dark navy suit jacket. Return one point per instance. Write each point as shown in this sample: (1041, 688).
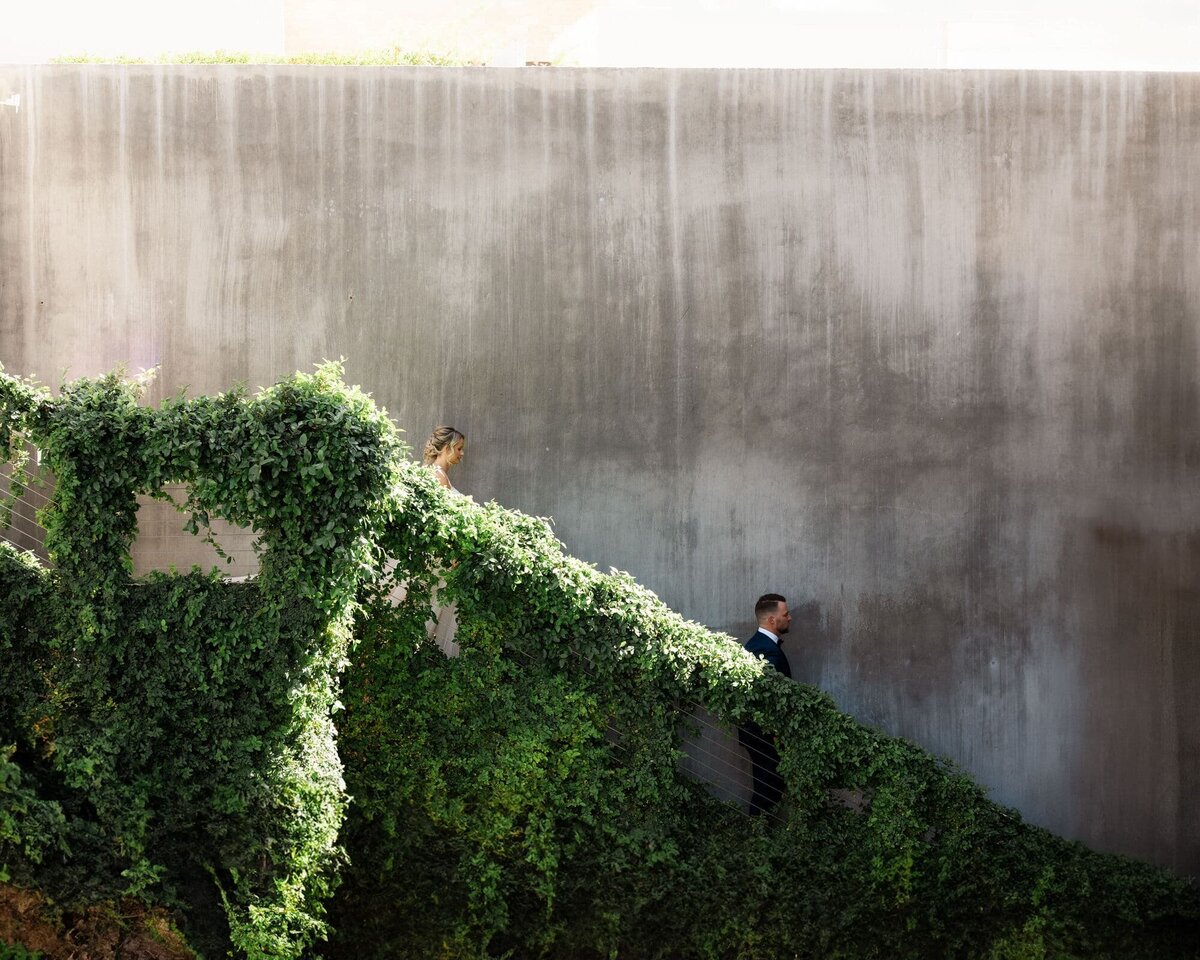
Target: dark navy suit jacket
(763, 646)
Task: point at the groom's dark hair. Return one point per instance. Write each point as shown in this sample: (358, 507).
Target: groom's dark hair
(767, 604)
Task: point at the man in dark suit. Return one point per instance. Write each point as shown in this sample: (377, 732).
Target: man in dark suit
(773, 617)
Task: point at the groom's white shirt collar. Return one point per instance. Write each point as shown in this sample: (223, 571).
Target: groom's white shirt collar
(769, 634)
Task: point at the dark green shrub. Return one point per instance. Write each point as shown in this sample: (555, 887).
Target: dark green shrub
(524, 800)
(182, 725)
(16, 951)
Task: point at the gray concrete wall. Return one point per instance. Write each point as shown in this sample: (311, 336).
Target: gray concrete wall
(918, 350)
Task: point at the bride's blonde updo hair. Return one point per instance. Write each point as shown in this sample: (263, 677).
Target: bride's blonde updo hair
(441, 438)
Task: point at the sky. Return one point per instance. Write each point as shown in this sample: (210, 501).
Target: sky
(1017, 34)
(37, 30)
(1003, 34)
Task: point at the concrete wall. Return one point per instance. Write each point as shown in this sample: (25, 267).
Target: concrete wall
(918, 350)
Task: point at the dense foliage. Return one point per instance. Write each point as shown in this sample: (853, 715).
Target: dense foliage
(524, 799)
(16, 951)
(173, 738)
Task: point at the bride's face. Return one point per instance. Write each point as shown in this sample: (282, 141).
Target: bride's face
(457, 452)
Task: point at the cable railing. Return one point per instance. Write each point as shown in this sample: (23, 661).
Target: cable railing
(20, 526)
(162, 543)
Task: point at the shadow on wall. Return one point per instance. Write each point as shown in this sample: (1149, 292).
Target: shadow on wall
(1135, 596)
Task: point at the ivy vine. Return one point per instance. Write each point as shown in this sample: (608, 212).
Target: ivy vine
(173, 737)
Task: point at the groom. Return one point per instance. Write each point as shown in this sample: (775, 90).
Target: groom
(773, 617)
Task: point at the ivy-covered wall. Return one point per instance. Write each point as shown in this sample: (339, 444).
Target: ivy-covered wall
(915, 349)
(173, 738)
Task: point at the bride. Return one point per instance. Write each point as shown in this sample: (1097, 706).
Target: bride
(444, 448)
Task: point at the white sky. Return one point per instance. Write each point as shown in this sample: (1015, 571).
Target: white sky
(1022, 34)
(33, 31)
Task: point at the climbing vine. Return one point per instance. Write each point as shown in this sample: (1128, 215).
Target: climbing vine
(173, 737)
(524, 798)
(180, 727)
